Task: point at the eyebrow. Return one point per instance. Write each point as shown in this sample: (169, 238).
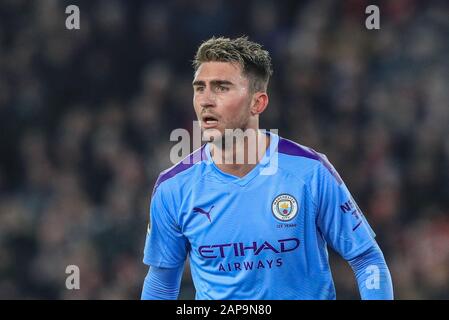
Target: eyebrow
(213, 82)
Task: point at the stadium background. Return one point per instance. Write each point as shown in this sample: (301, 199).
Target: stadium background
(85, 118)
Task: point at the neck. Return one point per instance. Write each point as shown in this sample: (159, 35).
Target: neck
(239, 154)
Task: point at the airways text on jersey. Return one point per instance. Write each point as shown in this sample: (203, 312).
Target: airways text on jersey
(222, 253)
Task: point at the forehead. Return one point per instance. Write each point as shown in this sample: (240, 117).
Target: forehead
(216, 70)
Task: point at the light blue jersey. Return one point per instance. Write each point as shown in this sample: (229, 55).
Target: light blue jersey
(263, 236)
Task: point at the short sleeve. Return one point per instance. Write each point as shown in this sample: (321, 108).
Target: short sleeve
(165, 245)
(338, 216)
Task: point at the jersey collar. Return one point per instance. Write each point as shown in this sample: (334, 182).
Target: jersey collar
(266, 166)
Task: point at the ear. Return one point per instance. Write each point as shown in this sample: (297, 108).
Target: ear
(259, 103)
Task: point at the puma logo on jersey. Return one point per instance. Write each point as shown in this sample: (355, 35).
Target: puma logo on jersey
(202, 211)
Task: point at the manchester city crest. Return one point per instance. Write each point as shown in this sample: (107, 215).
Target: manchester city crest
(284, 207)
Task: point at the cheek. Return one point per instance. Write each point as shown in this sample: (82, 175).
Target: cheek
(238, 105)
(196, 105)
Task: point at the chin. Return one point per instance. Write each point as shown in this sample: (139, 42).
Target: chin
(212, 135)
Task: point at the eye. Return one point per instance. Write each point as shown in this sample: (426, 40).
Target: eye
(222, 88)
(199, 88)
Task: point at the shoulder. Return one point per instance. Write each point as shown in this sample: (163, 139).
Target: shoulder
(291, 148)
(303, 159)
(295, 154)
(182, 172)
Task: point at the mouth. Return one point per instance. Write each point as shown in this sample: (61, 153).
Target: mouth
(209, 121)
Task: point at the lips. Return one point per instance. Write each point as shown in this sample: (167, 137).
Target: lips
(209, 121)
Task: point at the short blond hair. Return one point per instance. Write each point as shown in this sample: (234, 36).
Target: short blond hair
(254, 60)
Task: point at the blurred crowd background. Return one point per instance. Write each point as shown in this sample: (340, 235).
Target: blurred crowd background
(86, 115)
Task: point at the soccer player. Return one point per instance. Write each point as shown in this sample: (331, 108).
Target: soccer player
(255, 229)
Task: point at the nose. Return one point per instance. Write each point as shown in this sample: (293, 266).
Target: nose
(206, 99)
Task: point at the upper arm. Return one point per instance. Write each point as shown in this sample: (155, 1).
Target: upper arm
(165, 245)
(338, 216)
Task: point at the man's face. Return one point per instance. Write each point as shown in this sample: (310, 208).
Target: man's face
(221, 97)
